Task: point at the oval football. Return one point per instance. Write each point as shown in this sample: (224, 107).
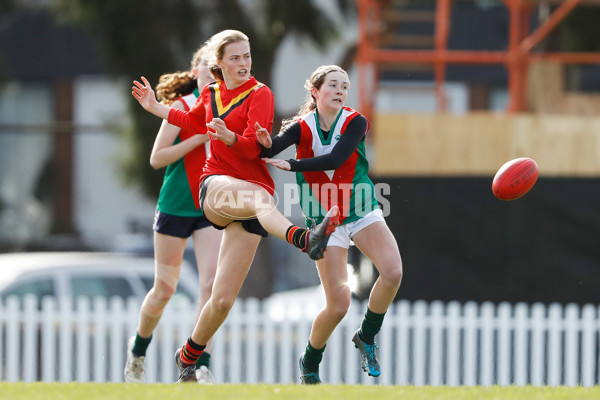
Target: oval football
(515, 178)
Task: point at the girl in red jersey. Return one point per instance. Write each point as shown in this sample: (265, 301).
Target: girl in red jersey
(183, 153)
(331, 167)
(236, 188)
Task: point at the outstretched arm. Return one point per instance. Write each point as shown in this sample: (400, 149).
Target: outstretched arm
(273, 146)
(355, 133)
(164, 151)
(143, 93)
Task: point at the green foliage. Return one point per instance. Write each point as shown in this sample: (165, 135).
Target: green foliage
(153, 37)
(138, 37)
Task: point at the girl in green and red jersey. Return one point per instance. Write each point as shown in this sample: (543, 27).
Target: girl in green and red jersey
(235, 187)
(331, 169)
(178, 216)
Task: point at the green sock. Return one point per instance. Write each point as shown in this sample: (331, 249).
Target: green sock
(370, 326)
(140, 345)
(204, 359)
(312, 358)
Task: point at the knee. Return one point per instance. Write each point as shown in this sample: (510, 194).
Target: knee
(156, 300)
(222, 304)
(339, 307)
(392, 273)
(161, 294)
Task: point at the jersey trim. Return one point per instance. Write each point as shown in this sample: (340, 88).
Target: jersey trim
(221, 111)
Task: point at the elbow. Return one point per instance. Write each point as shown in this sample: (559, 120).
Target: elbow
(154, 163)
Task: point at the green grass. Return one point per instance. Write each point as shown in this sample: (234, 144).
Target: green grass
(103, 391)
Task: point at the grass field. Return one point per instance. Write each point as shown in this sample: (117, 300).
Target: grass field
(97, 391)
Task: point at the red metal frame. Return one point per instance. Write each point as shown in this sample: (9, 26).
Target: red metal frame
(516, 58)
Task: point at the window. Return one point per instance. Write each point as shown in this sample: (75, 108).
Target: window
(40, 287)
(106, 286)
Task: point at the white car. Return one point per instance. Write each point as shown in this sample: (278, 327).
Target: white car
(74, 274)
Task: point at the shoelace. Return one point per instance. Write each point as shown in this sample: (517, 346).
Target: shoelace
(370, 356)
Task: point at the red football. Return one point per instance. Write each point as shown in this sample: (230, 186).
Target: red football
(515, 178)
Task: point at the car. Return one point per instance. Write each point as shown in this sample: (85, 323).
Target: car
(75, 274)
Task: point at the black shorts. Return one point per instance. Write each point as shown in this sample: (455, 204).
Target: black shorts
(250, 225)
(174, 225)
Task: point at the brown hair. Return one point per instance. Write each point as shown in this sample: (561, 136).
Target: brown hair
(217, 44)
(314, 82)
(180, 83)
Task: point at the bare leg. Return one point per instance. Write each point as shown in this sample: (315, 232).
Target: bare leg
(206, 249)
(235, 258)
(228, 199)
(168, 253)
(377, 242)
(334, 276)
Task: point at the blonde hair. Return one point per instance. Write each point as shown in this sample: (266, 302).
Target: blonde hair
(176, 84)
(201, 54)
(217, 44)
(316, 80)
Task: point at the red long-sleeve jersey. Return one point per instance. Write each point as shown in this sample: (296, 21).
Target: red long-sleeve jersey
(240, 109)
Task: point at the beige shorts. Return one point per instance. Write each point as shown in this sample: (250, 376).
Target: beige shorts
(342, 237)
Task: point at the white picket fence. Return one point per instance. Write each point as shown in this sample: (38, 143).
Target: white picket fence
(420, 343)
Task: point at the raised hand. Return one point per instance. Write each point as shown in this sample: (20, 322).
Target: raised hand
(281, 164)
(144, 94)
(263, 136)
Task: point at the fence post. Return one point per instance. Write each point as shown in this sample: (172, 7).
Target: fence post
(520, 362)
(419, 315)
(555, 349)
(486, 346)
(31, 328)
(252, 343)
(82, 329)
(470, 344)
(116, 331)
(99, 345)
(65, 356)
(13, 358)
(588, 345)
(436, 324)
(571, 354)
(49, 324)
(504, 354)
(402, 321)
(538, 343)
(454, 321)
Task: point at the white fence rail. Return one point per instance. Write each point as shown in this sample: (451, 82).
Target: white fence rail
(420, 343)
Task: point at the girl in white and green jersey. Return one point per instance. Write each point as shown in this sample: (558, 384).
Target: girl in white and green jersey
(331, 169)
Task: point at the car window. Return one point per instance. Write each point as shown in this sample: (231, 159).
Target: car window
(39, 287)
(105, 286)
